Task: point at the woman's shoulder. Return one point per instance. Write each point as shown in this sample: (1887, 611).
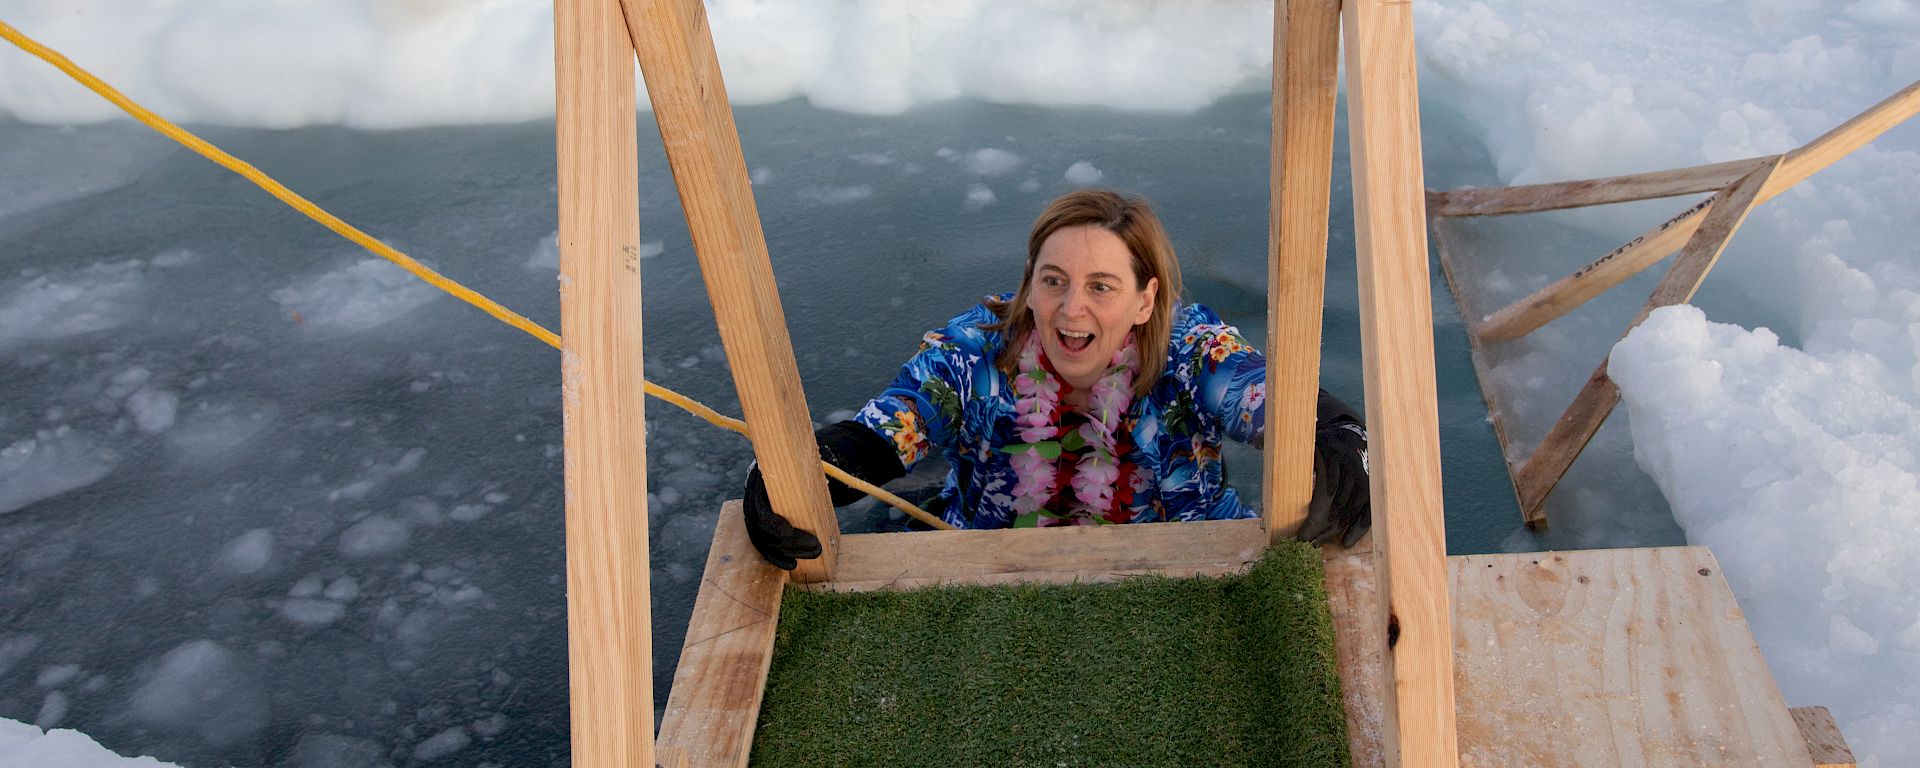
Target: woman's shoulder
(970, 331)
(1194, 323)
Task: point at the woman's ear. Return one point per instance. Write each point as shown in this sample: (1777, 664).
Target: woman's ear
(1147, 296)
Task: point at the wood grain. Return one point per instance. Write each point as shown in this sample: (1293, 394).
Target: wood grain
(722, 675)
(1549, 303)
(1528, 198)
(870, 561)
(1353, 597)
(1635, 657)
(609, 644)
(1823, 737)
(1306, 41)
(1396, 325)
(1576, 427)
(703, 149)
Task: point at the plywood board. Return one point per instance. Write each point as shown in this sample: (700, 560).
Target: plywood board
(1045, 555)
(715, 702)
(1359, 644)
(1611, 657)
(1823, 737)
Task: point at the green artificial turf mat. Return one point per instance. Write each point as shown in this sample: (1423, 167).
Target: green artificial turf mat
(1150, 671)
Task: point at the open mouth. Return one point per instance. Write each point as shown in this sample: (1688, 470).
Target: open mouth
(1074, 341)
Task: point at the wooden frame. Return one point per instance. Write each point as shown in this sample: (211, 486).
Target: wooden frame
(1701, 233)
(609, 638)
(703, 149)
(1306, 63)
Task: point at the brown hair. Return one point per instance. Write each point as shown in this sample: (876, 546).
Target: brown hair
(1133, 221)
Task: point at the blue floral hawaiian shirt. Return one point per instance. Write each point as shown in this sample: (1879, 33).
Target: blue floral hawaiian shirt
(950, 397)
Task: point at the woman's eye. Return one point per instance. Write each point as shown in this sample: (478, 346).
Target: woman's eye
(1102, 288)
(1051, 282)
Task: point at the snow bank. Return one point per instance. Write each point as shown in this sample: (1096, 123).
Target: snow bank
(1802, 473)
(25, 746)
(418, 62)
(361, 296)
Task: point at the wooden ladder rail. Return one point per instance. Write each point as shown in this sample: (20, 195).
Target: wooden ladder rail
(609, 640)
(1413, 631)
(1700, 233)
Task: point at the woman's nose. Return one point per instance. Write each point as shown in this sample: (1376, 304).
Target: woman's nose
(1073, 304)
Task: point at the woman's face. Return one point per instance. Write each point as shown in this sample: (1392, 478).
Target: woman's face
(1084, 300)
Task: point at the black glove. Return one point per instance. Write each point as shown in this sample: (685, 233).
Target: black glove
(1342, 507)
(848, 445)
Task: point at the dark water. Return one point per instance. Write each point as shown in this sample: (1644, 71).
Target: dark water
(402, 456)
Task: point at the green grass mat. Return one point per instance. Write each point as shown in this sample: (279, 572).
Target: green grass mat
(1233, 671)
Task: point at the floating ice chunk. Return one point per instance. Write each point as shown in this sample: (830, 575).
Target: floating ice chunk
(332, 750)
(979, 196)
(69, 302)
(761, 175)
(57, 675)
(1083, 174)
(50, 463)
(128, 381)
(248, 553)
(211, 431)
(308, 612)
(442, 744)
(343, 589)
(467, 513)
(374, 536)
(174, 257)
(361, 296)
(490, 726)
(202, 688)
(24, 746)
(1030, 186)
(53, 709)
(495, 497)
(309, 586)
(990, 162)
(546, 255)
(838, 195)
(153, 409)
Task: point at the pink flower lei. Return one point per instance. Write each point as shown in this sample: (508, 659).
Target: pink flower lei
(1037, 421)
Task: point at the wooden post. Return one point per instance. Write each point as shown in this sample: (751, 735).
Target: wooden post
(1306, 66)
(609, 641)
(703, 148)
(1396, 324)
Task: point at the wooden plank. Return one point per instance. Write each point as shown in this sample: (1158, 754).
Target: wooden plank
(1306, 41)
(1823, 737)
(1546, 304)
(1582, 419)
(715, 703)
(871, 561)
(609, 643)
(1493, 201)
(1396, 324)
(1816, 155)
(1353, 597)
(703, 149)
(1611, 657)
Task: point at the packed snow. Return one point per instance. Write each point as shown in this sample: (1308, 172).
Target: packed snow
(1780, 420)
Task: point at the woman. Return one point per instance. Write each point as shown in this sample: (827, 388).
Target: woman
(1088, 396)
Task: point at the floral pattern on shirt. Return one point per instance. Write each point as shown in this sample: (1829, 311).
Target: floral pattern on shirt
(949, 396)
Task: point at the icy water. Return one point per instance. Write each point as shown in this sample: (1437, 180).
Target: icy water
(269, 503)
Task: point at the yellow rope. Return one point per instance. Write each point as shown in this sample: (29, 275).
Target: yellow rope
(404, 261)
